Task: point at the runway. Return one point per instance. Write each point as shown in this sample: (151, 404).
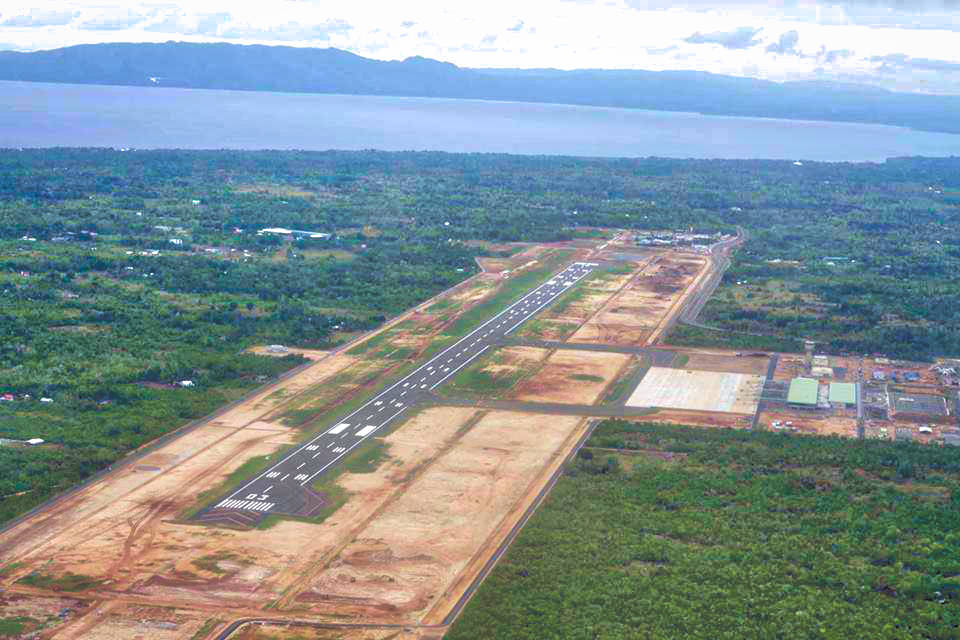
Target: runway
(284, 488)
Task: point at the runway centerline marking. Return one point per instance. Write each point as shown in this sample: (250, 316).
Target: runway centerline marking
(325, 450)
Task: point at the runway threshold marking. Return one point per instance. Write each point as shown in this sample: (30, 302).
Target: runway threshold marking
(539, 296)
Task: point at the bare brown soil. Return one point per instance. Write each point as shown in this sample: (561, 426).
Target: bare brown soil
(790, 367)
(123, 621)
(697, 418)
(141, 553)
(636, 314)
(516, 359)
(123, 534)
(560, 321)
(581, 308)
(396, 567)
(684, 265)
(521, 259)
(502, 369)
(275, 632)
(358, 376)
(574, 377)
(612, 282)
(46, 614)
(478, 290)
(599, 332)
(494, 265)
(811, 423)
(727, 362)
(437, 485)
(281, 395)
(310, 354)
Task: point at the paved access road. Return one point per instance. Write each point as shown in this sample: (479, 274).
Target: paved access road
(284, 487)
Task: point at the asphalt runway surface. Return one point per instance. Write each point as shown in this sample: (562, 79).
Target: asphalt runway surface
(284, 488)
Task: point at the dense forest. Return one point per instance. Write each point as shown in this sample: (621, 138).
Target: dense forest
(889, 228)
(859, 267)
(696, 533)
(123, 272)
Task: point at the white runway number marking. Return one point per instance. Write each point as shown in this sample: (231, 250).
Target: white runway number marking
(326, 449)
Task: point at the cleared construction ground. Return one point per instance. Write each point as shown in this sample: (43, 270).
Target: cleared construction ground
(411, 522)
(635, 313)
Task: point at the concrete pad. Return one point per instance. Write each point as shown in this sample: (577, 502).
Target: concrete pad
(698, 390)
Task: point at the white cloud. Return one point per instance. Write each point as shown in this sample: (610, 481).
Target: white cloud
(787, 45)
(177, 22)
(740, 38)
(114, 20)
(39, 18)
(285, 32)
(792, 39)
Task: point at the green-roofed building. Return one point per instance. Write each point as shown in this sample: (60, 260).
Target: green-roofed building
(844, 393)
(803, 393)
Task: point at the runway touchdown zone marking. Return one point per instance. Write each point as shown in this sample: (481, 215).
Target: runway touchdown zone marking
(430, 374)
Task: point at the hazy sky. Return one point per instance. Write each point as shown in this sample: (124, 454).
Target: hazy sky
(898, 44)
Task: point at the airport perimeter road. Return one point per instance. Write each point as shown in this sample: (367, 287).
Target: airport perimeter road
(285, 487)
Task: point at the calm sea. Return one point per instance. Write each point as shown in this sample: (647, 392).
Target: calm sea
(47, 115)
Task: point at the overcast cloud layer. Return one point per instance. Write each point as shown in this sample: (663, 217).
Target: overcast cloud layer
(898, 44)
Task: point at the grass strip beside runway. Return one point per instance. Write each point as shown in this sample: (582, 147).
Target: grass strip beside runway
(511, 291)
(241, 474)
(366, 458)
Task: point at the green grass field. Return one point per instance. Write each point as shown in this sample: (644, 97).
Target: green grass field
(688, 336)
(476, 380)
(618, 391)
(16, 626)
(473, 381)
(366, 458)
(585, 377)
(66, 582)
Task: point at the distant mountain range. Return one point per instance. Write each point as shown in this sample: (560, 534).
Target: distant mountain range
(293, 69)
